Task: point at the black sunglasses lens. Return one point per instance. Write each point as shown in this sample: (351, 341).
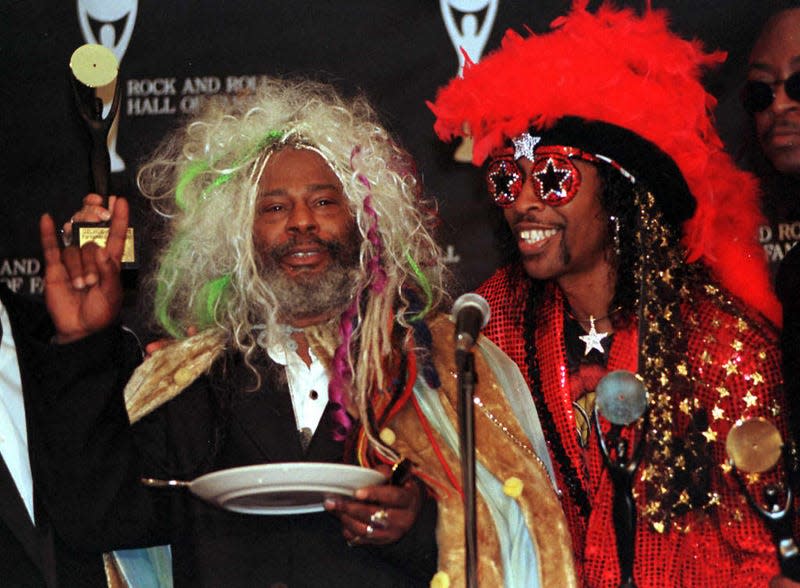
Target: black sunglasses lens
(757, 96)
(792, 86)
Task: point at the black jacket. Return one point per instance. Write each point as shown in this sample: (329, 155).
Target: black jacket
(35, 556)
(787, 286)
(216, 423)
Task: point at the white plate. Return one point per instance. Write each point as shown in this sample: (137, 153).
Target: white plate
(282, 488)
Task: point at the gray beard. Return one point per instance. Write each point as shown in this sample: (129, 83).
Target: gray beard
(299, 298)
(302, 296)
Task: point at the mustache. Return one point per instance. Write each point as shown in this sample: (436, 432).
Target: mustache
(334, 247)
(343, 252)
(533, 218)
(781, 125)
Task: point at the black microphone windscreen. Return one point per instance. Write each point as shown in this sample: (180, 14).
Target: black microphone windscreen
(474, 301)
(471, 314)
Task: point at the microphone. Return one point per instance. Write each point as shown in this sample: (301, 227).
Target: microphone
(471, 314)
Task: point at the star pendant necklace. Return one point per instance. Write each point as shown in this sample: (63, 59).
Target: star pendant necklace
(593, 339)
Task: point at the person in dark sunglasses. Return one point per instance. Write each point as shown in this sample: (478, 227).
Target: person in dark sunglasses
(772, 95)
(772, 91)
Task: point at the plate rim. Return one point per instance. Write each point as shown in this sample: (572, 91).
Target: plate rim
(199, 487)
(276, 465)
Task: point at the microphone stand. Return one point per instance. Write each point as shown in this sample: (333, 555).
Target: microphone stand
(467, 378)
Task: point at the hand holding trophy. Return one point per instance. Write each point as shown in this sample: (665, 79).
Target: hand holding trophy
(94, 67)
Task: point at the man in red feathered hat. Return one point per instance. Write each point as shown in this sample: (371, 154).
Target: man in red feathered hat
(631, 249)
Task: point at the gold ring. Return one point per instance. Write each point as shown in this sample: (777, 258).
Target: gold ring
(370, 530)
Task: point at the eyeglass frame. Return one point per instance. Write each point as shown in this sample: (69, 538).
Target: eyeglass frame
(507, 159)
(791, 87)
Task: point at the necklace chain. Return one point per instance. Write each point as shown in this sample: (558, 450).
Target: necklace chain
(591, 317)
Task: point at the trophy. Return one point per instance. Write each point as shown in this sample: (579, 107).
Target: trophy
(754, 446)
(109, 23)
(622, 400)
(94, 67)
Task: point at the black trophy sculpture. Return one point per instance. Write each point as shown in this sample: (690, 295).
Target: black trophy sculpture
(93, 67)
(622, 400)
(754, 446)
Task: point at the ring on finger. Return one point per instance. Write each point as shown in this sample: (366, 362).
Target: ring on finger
(370, 530)
(380, 518)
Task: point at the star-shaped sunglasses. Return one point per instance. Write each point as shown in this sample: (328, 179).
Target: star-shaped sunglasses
(554, 176)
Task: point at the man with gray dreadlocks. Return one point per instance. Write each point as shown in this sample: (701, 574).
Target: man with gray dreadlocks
(298, 247)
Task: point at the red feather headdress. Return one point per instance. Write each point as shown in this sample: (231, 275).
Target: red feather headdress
(628, 70)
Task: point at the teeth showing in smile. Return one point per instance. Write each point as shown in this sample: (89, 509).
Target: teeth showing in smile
(536, 235)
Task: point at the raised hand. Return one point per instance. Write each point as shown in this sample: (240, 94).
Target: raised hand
(82, 287)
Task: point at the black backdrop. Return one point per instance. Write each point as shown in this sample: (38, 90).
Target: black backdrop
(398, 52)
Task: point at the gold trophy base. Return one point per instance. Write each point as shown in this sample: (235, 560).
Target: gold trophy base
(83, 233)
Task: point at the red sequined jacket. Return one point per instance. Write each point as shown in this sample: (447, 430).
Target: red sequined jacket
(737, 368)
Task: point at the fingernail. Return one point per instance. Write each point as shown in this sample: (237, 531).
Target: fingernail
(361, 494)
(91, 279)
(329, 504)
(105, 215)
(78, 284)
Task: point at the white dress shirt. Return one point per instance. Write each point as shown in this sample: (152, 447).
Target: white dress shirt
(13, 431)
(308, 385)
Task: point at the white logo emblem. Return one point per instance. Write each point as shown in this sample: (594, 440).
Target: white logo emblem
(467, 33)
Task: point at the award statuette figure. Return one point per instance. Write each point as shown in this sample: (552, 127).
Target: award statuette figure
(622, 400)
(94, 67)
(754, 446)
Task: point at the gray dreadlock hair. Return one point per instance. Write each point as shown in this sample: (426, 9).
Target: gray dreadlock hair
(204, 179)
